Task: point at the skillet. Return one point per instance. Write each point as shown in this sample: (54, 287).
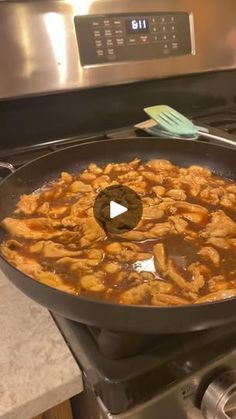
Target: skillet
(138, 319)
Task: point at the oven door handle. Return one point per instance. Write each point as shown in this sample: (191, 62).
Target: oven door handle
(8, 166)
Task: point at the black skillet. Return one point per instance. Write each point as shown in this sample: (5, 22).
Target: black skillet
(103, 314)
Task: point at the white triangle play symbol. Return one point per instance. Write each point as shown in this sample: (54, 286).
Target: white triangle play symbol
(116, 209)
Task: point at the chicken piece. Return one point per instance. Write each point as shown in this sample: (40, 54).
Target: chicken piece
(111, 267)
(218, 283)
(136, 295)
(72, 221)
(195, 218)
(179, 224)
(26, 264)
(122, 252)
(160, 258)
(135, 163)
(216, 296)
(94, 254)
(198, 271)
(150, 202)
(228, 201)
(78, 265)
(157, 231)
(32, 228)
(66, 177)
(160, 286)
(32, 268)
(175, 275)
(27, 204)
(91, 232)
(57, 212)
(231, 188)
(165, 299)
(210, 254)
(159, 165)
(92, 283)
(159, 190)
(11, 244)
(53, 280)
(219, 242)
(198, 280)
(186, 207)
(137, 186)
(152, 213)
(212, 194)
(220, 226)
(44, 209)
(192, 183)
(79, 186)
(153, 177)
(177, 194)
(93, 168)
(198, 170)
(50, 249)
(101, 182)
(86, 201)
(53, 193)
(87, 176)
(132, 175)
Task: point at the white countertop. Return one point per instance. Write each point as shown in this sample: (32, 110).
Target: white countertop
(37, 369)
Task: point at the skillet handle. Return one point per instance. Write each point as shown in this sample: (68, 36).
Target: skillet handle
(8, 166)
(219, 138)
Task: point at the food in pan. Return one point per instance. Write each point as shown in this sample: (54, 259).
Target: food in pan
(181, 252)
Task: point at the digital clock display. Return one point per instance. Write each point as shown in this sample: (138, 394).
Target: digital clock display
(138, 25)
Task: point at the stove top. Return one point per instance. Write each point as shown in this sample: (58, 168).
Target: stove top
(125, 370)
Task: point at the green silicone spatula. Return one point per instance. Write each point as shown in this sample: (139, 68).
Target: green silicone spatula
(177, 124)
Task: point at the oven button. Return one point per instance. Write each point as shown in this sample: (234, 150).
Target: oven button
(154, 29)
(95, 23)
(98, 43)
(173, 36)
(173, 27)
(163, 28)
(219, 399)
(109, 42)
(117, 22)
(155, 38)
(100, 53)
(166, 48)
(108, 32)
(97, 34)
(163, 19)
(132, 40)
(164, 37)
(106, 22)
(120, 41)
(118, 32)
(143, 39)
(111, 51)
(175, 45)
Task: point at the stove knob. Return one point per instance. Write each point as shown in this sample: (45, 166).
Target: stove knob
(219, 400)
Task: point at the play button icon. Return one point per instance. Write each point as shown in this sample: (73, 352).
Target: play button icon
(118, 209)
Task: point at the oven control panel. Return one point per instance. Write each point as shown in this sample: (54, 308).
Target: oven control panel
(133, 37)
